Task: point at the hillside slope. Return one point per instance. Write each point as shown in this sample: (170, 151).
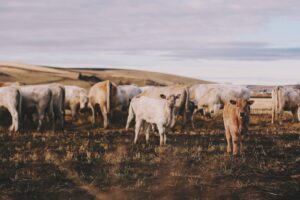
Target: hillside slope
(34, 74)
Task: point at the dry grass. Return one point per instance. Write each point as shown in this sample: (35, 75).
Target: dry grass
(86, 162)
(262, 106)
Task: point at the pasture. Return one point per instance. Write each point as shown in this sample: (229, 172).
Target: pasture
(89, 162)
(86, 162)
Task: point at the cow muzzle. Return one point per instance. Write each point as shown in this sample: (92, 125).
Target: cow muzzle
(242, 114)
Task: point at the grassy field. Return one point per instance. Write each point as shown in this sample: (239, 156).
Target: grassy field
(88, 162)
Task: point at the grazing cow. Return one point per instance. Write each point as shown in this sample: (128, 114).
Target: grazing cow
(10, 98)
(236, 116)
(58, 98)
(125, 93)
(37, 99)
(182, 104)
(210, 98)
(152, 111)
(76, 98)
(103, 94)
(285, 99)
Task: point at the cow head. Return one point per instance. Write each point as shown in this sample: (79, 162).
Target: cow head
(242, 107)
(83, 101)
(170, 99)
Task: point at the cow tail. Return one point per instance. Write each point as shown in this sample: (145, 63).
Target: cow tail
(63, 105)
(278, 98)
(19, 106)
(108, 96)
(51, 108)
(187, 99)
(63, 99)
(130, 116)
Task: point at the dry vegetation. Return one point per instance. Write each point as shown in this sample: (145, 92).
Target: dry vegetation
(86, 162)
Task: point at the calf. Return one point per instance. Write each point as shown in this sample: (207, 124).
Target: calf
(10, 98)
(76, 98)
(152, 111)
(236, 119)
(181, 106)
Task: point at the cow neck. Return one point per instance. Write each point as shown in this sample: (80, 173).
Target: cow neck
(169, 111)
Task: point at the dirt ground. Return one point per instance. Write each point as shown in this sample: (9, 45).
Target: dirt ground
(86, 162)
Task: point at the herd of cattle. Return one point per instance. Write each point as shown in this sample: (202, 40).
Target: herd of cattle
(152, 107)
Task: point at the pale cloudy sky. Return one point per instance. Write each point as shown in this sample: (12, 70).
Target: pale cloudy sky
(238, 41)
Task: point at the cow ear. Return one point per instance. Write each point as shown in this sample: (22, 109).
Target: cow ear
(177, 96)
(233, 102)
(162, 96)
(250, 102)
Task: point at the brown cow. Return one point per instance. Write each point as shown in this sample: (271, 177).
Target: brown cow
(103, 94)
(236, 119)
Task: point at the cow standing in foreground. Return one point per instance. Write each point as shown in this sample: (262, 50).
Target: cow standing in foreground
(236, 116)
(10, 98)
(285, 99)
(152, 111)
(181, 106)
(76, 98)
(103, 94)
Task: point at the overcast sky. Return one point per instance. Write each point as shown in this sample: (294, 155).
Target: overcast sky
(237, 41)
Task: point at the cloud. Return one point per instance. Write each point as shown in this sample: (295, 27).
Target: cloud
(182, 29)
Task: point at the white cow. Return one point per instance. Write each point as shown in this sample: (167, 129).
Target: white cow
(285, 99)
(125, 93)
(58, 97)
(37, 99)
(182, 104)
(76, 98)
(152, 111)
(210, 98)
(10, 98)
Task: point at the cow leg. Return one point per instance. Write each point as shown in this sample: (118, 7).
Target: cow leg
(93, 113)
(165, 138)
(62, 118)
(280, 117)
(192, 118)
(273, 115)
(130, 117)
(15, 120)
(40, 123)
(105, 116)
(161, 134)
(295, 115)
(235, 142)
(147, 132)
(137, 130)
(54, 119)
(228, 139)
(74, 112)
